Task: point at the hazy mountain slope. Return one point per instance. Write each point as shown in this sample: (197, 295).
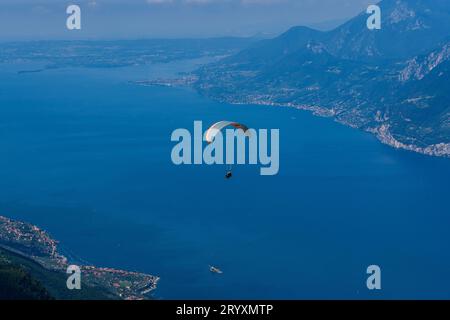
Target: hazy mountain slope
(273, 50)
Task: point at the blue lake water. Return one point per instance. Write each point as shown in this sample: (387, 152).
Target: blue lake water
(86, 155)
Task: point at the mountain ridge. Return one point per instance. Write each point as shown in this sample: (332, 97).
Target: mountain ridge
(398, 92)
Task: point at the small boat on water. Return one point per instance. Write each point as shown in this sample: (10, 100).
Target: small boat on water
(215, 270)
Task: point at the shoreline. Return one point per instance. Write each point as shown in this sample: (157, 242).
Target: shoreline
(381, 132)
(34, 244)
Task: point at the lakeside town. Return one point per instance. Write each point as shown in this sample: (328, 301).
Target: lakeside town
(33, 243)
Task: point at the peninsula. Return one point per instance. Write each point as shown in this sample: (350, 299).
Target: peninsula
(29, 242)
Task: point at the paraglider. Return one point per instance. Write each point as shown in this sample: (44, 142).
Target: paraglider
(218, 127)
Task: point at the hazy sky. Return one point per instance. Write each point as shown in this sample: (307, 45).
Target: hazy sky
(46, 19)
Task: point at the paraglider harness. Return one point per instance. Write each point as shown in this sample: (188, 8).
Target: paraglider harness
(229, 172)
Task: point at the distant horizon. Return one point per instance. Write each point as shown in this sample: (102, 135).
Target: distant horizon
(26, 20)
(262, 35)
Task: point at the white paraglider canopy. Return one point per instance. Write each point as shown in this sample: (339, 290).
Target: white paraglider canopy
(219, 126)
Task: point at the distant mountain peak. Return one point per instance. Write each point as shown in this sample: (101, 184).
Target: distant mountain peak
(408, 28)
